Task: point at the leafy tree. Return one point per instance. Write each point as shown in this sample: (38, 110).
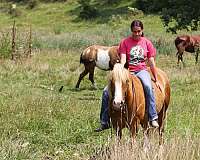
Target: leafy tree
(182, 14)
(176, 15)
(111, 1)
(27, 1)
(151, 6)
(87, 11)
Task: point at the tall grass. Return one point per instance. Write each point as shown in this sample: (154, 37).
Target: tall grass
(176, 148)
(5, 45)
(103, 35)
(66, 41)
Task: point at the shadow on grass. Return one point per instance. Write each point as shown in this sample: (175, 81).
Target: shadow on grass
(62, 88)
(89, 98)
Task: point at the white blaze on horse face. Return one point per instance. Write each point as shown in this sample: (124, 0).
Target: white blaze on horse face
(118, 92)
(103, 59)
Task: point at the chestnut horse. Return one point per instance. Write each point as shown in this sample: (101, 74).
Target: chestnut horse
(189, 44)
(127, 101)
(101, 56)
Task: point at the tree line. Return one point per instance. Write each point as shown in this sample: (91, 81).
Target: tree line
(175, 15)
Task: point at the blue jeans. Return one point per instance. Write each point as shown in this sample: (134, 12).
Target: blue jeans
(104, 115)
(145, 78)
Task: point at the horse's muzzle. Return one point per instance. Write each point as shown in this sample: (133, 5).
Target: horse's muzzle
(118, 106)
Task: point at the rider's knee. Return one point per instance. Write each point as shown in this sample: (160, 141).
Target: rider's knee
(147, 88)
(105, 93)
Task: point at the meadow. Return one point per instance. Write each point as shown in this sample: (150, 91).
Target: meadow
(39, 122)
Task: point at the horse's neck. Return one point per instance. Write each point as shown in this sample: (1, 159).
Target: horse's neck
(135, 86)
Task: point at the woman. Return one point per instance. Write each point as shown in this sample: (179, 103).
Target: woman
(135, 50)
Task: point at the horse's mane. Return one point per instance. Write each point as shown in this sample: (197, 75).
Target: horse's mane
(119, 73)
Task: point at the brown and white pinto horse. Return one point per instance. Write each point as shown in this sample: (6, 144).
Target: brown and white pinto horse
(189, 44)
(127, 101)
(101, 56)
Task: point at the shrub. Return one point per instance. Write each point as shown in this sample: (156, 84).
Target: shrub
(32, 4)
(87, 11)
(53, 0)
(150, 5)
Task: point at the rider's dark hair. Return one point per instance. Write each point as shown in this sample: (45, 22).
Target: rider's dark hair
(137, 23)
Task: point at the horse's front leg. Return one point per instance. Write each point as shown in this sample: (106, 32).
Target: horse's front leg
(117, 125)
(133, 130)
(119, 133)
(180, 58)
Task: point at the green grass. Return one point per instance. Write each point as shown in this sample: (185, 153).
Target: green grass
(38, 122)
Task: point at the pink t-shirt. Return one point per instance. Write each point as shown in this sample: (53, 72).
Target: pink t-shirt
(137, 51)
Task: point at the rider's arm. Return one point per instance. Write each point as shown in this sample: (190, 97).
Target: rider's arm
(123, 59)
(153, 68)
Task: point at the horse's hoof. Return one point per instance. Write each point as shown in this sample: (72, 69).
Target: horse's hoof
(77, 86)
(77, 89)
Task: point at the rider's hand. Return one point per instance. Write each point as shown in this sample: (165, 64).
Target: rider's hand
(158, 85)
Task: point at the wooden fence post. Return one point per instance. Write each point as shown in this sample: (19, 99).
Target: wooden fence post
(30, 42)
(13, 41)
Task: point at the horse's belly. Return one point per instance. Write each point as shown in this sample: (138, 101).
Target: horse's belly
(103, 60)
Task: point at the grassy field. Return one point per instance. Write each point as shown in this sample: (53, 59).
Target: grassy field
(38, 122)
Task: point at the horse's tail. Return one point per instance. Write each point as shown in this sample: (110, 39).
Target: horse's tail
(81, 58)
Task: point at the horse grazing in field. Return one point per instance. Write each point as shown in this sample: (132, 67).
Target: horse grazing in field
(127, 101)
(101, 56)
(189, 44)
